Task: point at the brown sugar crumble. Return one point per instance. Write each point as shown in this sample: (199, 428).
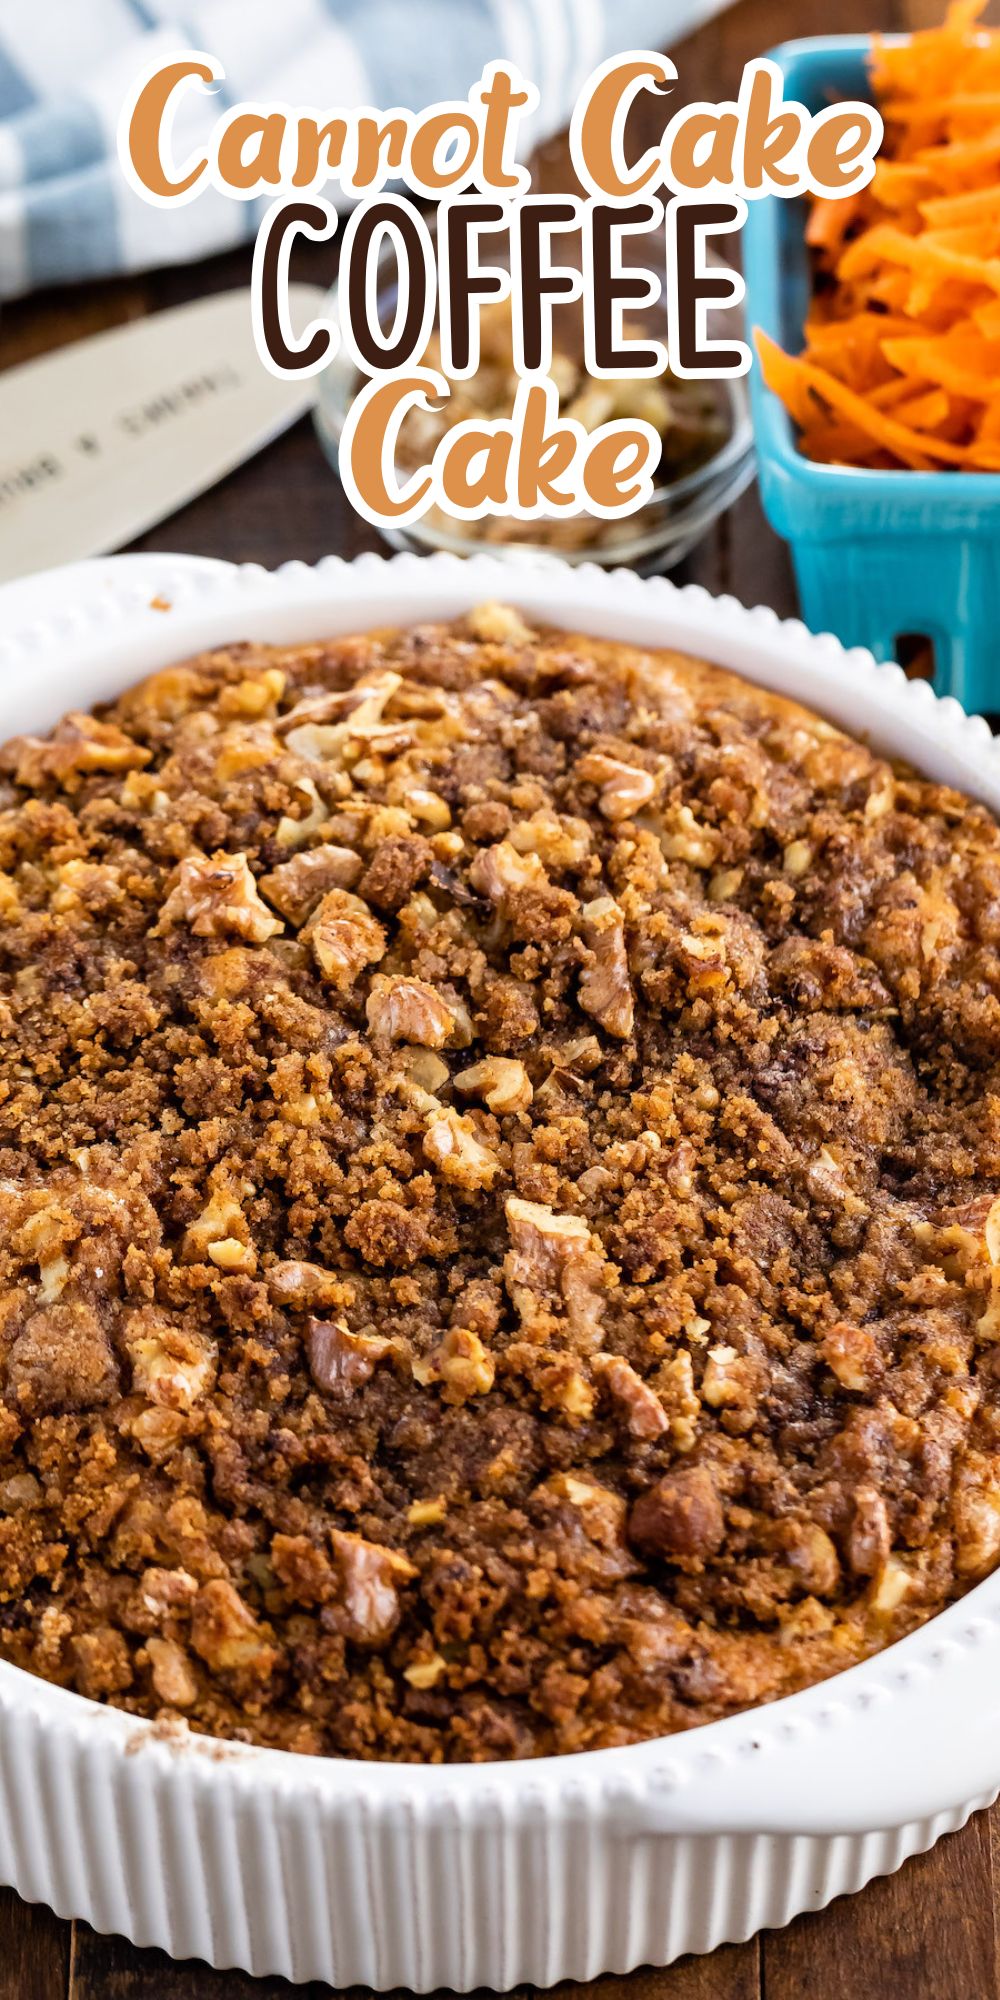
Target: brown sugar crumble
(499, 1146)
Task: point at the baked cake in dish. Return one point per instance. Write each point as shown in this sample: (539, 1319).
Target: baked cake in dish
(499, 1136)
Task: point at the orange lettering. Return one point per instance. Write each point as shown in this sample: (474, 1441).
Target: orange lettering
(146, 125)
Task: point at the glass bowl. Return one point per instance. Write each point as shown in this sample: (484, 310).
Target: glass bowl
(656, 537)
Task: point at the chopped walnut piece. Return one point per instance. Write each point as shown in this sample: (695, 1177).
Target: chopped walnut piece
(411, 1010)
(158, 1431)
(79, 745)
(245, 746)
(292, 832)
(827, 1183)
(10, 901)
(167, 1593)
(728, 1378)
(227, 1636)
(869, 1535)
(623, 788)
(685, 840)
(977, 1521)
(297, 885)
(229, 1254)
(370, 1579)
(216, 896)
(345, 938)
(339, 1359)
(425, 1674)
(644, 1414)
(702, 957)
(605, 987)
(680, 1517)
(311, 734)
(850, 1352)
(813, 1557)
(363, 702)
(383, 822)
(255, 696)
(102, 1662)
(603, 1512)
(501, 1081)
(563, 1386)
(675, 1388)
(164, 696)
(499, 622)
(174, 1680)
(725, 884)
(424, 1071)
(558, 840)
(991, 1233)
(596, 1518)
(326, 705)
(797, 858)
(428, 807)
(54, 1275)
(460, 1362)
(575, 1059)
(554, 1257)
(21, 1491)
(172, 1364)
(501, 872)
(302, 1286)
(86, 887)
(221, 1221)
(891, 1585)
(451, 1143)
(988, 1324)
(367, 701)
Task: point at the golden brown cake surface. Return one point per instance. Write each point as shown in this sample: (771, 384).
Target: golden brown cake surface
(498, 1144)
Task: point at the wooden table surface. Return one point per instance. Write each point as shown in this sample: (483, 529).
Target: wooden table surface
(927, 1933)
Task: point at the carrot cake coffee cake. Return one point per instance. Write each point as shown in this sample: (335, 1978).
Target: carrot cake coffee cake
(498, 1144)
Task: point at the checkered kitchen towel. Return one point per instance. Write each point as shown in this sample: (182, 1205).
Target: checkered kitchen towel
(66, 66)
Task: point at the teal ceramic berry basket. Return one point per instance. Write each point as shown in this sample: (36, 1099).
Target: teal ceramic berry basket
(879, 556)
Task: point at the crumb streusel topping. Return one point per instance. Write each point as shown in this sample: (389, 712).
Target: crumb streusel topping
(499, 1137)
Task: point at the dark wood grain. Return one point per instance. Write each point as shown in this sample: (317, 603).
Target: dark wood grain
(927, 1933)
(34, 1951)
(110, 1969)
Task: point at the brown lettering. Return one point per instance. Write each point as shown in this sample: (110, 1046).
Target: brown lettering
(271, 270)
(464, 284)
(368, 223)
(612, 287)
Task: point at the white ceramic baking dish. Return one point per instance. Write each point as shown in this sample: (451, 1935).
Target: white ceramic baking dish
(484, 1876)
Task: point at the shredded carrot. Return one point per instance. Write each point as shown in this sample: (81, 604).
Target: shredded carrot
(936, 110)
(829, 223)
(901, 365)
(952, 210)
(909, 445)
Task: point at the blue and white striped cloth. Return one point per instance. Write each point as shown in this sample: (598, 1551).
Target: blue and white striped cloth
(66, 66)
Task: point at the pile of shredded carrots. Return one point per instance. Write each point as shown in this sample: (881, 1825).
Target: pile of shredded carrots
(902, 358)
